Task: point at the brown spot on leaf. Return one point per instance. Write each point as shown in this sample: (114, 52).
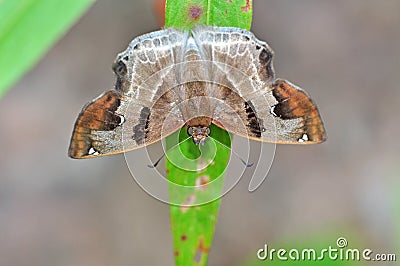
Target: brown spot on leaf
(202, 247)
(246, 8)
(176, 253)
(183, 237)
(184, 209)
(201, 250)
(190, 200)
(201, 181)
(203, 164)
(195, 12)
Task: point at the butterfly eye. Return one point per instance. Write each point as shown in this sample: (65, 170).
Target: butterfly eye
(190, 131)
(119, 68)
(208, 131)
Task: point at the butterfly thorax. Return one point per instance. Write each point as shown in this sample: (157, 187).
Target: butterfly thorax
(197, 108)
(199, 129)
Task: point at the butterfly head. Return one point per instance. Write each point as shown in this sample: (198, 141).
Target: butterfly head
(199, 134)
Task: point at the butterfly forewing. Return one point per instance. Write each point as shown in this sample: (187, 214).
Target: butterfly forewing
(132, 115)
(239, 60)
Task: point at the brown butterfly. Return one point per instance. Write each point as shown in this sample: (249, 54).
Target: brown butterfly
(170, 78)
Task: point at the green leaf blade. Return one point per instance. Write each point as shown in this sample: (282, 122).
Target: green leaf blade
(193, 227)
(185, 14)
(28, 28)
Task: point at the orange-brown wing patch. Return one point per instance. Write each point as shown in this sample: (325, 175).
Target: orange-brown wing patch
(282, 113)
(294, 103)
(97, 115)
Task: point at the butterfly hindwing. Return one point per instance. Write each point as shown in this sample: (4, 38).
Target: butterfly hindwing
(105, 127)
(98, 115)
(282, 113)
(270, 110)
(296, 115)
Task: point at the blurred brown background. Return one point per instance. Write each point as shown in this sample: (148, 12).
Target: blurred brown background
(59, 211)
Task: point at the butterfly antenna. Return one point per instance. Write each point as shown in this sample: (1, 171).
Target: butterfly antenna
(154, 165)
(234, 153)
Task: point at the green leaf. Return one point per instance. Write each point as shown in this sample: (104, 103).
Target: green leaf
(184, 14)
(28, 28)
(193, 227)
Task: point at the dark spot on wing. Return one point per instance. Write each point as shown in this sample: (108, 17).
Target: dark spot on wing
(284, 111)
(279, 92)
(111, 119)
(157, 42)
(120, 68)
(254, 123)
(266, 64)
(141, 129)
(119, 84)
(286, 107)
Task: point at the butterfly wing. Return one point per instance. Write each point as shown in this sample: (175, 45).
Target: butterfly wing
(145, 105)
(282, 114)
(240, 61)
(140, 110)
(105, 127)
(249, 101)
